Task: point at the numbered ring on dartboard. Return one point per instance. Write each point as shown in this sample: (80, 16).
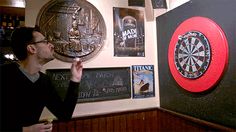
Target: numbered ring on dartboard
(192, 54)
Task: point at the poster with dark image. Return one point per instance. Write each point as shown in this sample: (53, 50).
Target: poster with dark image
(159, 4)
(140, 3)
(128, 32)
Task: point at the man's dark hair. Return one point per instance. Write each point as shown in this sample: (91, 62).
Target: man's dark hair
(20, 38)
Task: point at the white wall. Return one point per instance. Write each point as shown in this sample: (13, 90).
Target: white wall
(105, 58)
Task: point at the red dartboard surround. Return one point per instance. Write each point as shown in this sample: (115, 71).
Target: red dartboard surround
(212, 59)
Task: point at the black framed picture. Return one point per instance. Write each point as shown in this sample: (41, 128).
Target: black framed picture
(97, 84)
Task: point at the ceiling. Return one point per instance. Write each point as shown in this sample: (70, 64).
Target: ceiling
(13, 3)
(12, 7)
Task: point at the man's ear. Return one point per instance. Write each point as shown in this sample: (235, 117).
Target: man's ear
(31, 48)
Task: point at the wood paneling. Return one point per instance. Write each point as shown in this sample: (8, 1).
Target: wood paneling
(12, 11)
(153, 120)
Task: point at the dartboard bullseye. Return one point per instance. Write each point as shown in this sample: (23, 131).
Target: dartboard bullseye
(198, 54)
(192, 54)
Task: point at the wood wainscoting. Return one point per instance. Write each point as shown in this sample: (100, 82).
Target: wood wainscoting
(151, 120)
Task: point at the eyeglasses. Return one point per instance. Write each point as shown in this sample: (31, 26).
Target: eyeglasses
(41, 41)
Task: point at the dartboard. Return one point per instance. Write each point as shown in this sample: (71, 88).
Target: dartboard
(192, 54)
(198, 54)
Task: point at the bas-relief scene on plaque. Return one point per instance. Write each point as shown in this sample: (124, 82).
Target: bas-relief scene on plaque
(76, 28)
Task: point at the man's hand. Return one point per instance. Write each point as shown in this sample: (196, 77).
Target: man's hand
(41, 127)
(76, 70)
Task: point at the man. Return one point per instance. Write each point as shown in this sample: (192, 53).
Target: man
(25, 91)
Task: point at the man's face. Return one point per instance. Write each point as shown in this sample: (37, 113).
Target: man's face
(44, 49)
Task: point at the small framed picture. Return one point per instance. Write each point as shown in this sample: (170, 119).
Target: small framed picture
(143, 81)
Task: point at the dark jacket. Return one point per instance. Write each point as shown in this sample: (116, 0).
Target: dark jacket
(22, 101)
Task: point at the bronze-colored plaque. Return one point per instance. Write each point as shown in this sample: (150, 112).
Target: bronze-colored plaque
(75, 28)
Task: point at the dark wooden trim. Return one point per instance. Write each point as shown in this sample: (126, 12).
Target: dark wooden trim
(145, 120)
(199, 121)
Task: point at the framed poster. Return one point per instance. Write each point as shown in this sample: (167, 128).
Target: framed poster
(143, 81)
(128, 32)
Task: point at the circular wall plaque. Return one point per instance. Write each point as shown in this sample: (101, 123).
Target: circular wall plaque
(74, 27)
(198, 54)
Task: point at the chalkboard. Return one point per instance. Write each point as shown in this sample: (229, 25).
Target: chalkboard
(97, 84)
